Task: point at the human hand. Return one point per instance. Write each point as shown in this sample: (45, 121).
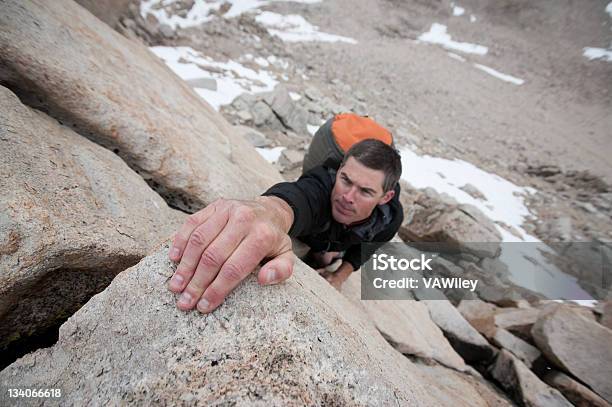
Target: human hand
(221, 244)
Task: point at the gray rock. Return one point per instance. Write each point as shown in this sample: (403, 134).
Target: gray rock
(525, 387)
(244, 101)
(291, 159)
(518, 321)
(117, 93)
(468, 389)
(244, 116)
(576, 393)
(255, 138)
(473, 192)
(525, 352)
(295, 343)
(480, 314)
(313, 94)
(406, 325)
(166, 31)
(431, 220)
(264, 117)
(290, 114)
(463, 337)
(577, 345)
(72, 215)
(203, 83)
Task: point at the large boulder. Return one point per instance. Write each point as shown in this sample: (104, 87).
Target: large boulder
(577, 345)
(574, 391)
(431, 218)
(297, 343)
(406, 325)
(524, 386)
(465, 339)
(72, 216)
(57, 56)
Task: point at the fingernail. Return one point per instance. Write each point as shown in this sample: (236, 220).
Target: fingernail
(174, 253)
(177, 280)
(271, 277)
(203, 305)
(185, 299)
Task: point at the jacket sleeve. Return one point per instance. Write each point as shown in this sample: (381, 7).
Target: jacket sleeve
(309, 197)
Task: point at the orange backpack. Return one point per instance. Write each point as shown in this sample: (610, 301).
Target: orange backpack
(339, 134)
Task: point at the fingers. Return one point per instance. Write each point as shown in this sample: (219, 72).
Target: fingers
(278, 269)
(198, 241)
(240, 264)
(216, 257)
(182, 236)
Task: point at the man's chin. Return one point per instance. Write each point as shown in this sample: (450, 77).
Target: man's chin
(340, 217)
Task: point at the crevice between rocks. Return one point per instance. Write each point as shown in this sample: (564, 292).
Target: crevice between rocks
(34, 320)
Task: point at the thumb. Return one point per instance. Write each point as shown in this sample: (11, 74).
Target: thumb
(278, 269)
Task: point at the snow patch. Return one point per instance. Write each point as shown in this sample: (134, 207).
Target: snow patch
(203, 11)
(458, 11)
(504, 200)
(598, 53)
(499, 75)
(294, 28)
(312, 129)
(232, 78)
(271, 155)
(437, 35)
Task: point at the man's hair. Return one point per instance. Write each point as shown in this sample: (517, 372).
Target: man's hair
(377, 155)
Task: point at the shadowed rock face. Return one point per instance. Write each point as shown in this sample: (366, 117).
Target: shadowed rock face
(72, 216)
(58, 57)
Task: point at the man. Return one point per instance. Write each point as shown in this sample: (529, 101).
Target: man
(332, 211)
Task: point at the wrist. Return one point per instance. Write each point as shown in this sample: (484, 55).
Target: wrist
(278, 210)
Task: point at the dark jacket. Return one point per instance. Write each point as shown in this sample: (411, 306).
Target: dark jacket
(313, 223)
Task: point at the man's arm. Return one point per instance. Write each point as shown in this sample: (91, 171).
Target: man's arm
(220, 245)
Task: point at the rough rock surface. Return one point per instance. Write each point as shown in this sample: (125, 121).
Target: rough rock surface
(518, 321)
(527, 353)
(575, 392)
(464, 338)
(299, 343)
(430, 219)
(526, 388)
(577, 345)
(72, 215)
(59, 57)
(406, 325)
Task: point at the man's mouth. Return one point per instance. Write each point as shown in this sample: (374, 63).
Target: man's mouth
(343, 209)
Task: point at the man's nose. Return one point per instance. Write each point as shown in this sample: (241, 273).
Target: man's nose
(349, 196)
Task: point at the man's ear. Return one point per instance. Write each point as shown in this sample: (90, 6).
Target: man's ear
(386, 197)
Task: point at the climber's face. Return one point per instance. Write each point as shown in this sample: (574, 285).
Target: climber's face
(357, 191)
